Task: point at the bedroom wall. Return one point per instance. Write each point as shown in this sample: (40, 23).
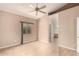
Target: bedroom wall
(10, 29)
(44, 29)
(67, 28)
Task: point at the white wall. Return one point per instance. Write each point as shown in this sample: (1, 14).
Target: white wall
(67, 28)
(44, 29)
(10, 29)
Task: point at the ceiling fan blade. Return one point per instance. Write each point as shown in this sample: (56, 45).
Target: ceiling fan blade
(31, 6)
(42, 7)
(43, 12)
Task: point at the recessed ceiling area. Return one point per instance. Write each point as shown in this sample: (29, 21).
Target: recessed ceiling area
(25, 9)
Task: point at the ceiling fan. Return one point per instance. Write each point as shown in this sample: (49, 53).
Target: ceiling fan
(38, 9)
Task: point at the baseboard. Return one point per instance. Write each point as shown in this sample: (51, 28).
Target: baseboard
(67, 47)
(9, 45)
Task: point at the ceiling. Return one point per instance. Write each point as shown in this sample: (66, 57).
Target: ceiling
(25, 9)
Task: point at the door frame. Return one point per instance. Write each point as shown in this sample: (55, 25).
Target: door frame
(21, 22)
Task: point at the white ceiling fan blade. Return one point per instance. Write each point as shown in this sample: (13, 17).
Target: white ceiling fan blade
(43, 12)
(42, 7)
(31, 6)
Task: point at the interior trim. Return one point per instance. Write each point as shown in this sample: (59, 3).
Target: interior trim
(68, 47)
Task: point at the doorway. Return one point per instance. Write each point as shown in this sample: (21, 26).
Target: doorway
(29, 32)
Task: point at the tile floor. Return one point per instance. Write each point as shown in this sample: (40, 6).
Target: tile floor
(37, 49)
